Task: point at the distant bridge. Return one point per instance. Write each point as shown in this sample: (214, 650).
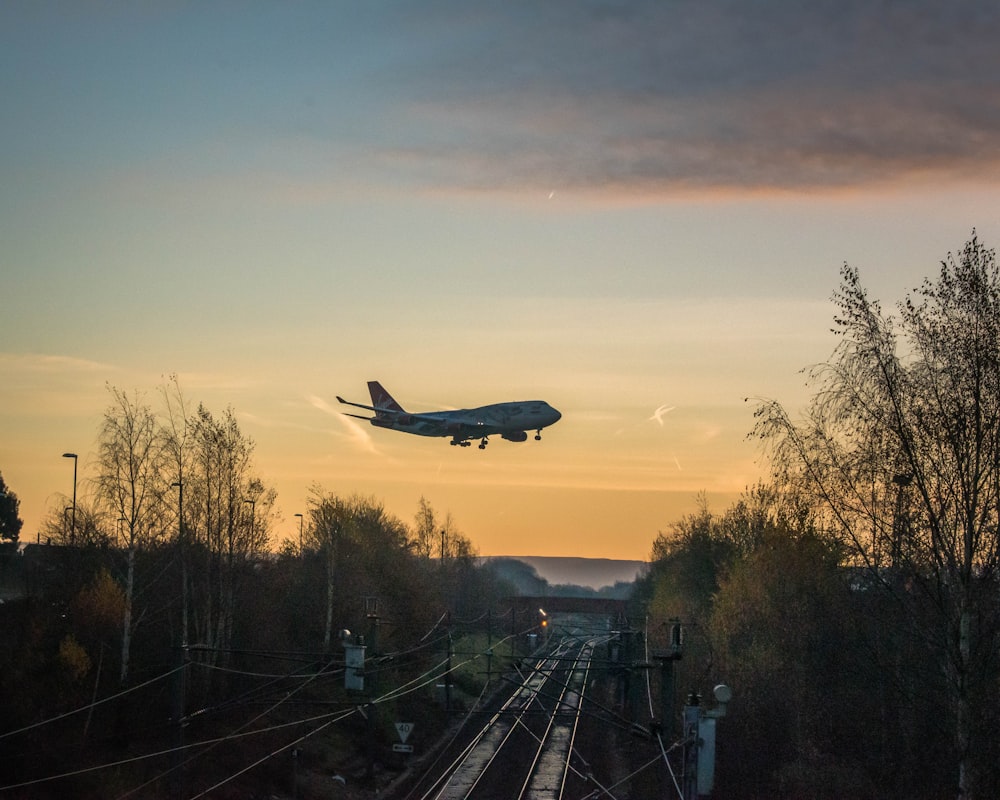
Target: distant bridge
(605, 606)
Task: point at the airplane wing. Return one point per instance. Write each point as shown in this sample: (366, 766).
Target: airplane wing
(460, 425)
(433, 424)
(369, 408)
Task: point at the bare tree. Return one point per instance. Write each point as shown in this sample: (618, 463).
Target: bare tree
(330, 519)
(130, 483)
(94, 529)
(901, 448)
(228, 513)
(425, 532)
(177, 455)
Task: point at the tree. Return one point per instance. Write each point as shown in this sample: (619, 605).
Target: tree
(425, 532)
(10, 522)
(227, 515)
(176, 434)
(781, 632)
(130, 482)
(329, 519)
(900, 448)
(687, 562)
(93, 529)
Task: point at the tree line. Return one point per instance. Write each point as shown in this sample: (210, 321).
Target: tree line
(166, 566)
(852, 600)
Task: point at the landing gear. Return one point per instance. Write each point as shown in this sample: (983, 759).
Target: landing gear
(538, 435)
(482, 444)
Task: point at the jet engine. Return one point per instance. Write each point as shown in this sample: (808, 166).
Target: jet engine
(515, 436)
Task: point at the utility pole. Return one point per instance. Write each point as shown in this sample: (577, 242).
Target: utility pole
(668, 661)
(513, 629)
(489, 645)
(180, 685)
(180, 720)
(371, 612)
(447, 674)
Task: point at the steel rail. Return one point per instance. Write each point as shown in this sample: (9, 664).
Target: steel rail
(463, 775)
(547, 776)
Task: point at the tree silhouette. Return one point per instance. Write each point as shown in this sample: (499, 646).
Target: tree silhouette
(10, 522)
(900, 448)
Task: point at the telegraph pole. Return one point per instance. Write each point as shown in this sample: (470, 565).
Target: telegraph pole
(447, 674)
(668, 661)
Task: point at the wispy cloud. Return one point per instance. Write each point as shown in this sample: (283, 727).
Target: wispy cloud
(56, 364)
(659, 413)
(354, 432)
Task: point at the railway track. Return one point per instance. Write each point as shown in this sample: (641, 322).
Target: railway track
(525, 748)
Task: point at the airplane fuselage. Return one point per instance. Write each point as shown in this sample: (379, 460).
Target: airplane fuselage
(510, 421)
(474, 423)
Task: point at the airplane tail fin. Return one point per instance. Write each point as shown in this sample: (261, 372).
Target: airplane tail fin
(381, 399)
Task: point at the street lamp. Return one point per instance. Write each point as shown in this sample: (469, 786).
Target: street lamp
(181, 543)
(253, 514)
(72, 530)
(179, 485)
(300, 533)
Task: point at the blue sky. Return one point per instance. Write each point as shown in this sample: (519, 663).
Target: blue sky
(613, 207)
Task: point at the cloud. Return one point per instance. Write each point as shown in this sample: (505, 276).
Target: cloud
(355, 433)
(659, 413)
(54, 364)
(39, 385)
(672, 97)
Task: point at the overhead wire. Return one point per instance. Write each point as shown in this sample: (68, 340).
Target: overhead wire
(426, 678)
(457, 730)
(273, 753)
(166, 751)
(420, 681)
(390, 695)
(90, 706)
(659, 734)
(213, 745)
(600, 792)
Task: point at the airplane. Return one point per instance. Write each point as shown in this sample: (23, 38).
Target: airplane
(511, 421)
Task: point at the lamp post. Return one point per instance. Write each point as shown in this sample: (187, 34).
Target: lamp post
(300, 533)
(180, 681)
(901, 481)
(180, 507)
(253, 514)
(68, 508)
(181, 544)
(72, 530)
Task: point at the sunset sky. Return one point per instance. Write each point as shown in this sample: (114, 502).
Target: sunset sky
(634, 211)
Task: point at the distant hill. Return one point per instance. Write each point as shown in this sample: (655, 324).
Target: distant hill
(594, 572)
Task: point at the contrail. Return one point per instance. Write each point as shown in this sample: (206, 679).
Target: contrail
(356, 432)
(658, 414)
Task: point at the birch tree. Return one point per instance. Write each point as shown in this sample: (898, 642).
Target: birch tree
(130, 482)
(176, 432)
(330, 518)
